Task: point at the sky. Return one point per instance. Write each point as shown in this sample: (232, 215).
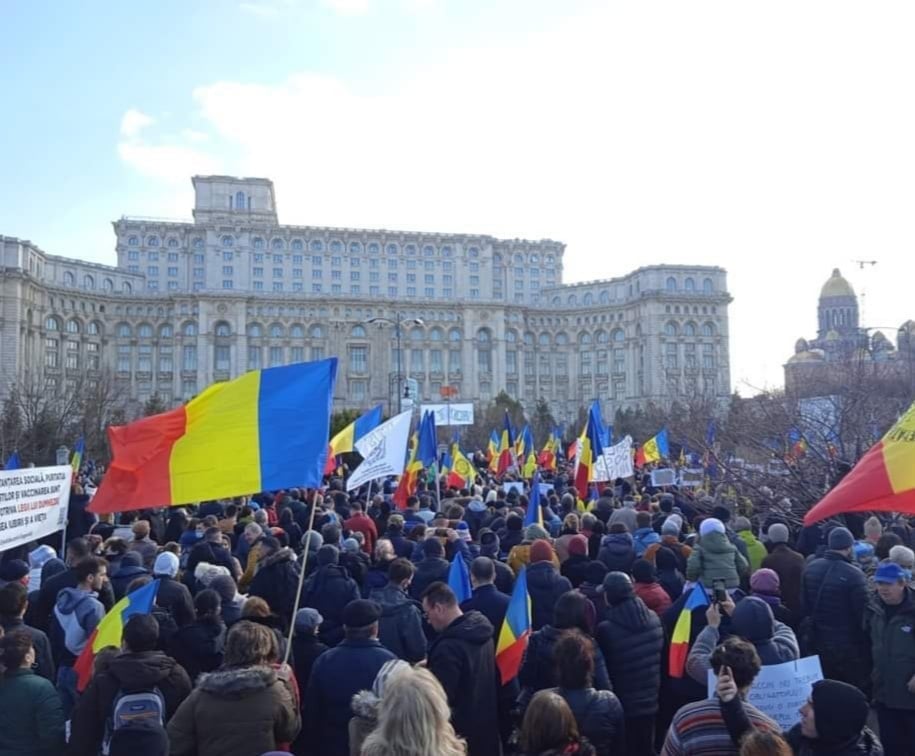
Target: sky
(776, 139)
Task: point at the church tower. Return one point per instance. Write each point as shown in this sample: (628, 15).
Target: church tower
(838, 308)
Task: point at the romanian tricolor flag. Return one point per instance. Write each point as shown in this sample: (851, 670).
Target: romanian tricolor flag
(109, 631)
(408, 481)
(492, 451)
(680, 640)
(528, 457)
(653, 450)
(77, 459)
(263, 431)
(506, 450)
(515, 631)
(345, 441)
(883, 480)
(797, 445)
(534, 515)
(550, 452)
(589, 449)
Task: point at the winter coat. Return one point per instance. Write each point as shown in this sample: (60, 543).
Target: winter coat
(680, 550)
(176, 599)
(599, 716)
(538, 668)
(212, 553)
(594, 594)
(44, 659)
(631, 640)
(654, 596)
(365, 718)
(837, 622)
(756, 551)
(199, 647)
(715, 559)
(376, 577)
(642, 538)
(789, 565)
(893, 651)
(544, 585)
(306, 648)
(329, 590)
(76, 615)
(362, 523)
(31, 716)
(462, 657)
(617, 552)
(476, 513)
(491, 603)
(130, 673)
(520, 556)
(146, 548)
(403, 547)
(866, 744)
(235, 712)
(400, 629)
(574, 568)
(277, 581)
(123, 577)
(337, 675)
(428, 571)
(357, 564)
(752, 620)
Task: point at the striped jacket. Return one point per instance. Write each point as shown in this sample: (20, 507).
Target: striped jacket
(698, 729)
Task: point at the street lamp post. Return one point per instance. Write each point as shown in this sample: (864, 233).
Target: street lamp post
(398, 321)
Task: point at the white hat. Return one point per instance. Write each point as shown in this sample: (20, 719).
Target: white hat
(711, 525)
(166, 564)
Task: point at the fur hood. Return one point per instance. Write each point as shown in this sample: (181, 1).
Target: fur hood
(283, 555)
(237, 682)
(365, 705)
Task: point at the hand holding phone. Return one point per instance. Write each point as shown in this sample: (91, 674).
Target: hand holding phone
(726, 688)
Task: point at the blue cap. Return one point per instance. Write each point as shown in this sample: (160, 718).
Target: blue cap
(890, 572)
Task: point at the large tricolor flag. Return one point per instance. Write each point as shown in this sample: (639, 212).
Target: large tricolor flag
(492, 451)
(883, 480)
(550, 452)
(110, 630)
(345, 441)
(263, 431)
(590, 447)
(407, 485)
(77, 459)
(506, 450)
(654, 449)
(528, 456)
(515, 631)
(680, 640)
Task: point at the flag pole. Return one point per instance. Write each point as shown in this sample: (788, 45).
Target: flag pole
(298, 595)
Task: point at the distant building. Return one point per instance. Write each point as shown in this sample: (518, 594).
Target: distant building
(232, 290)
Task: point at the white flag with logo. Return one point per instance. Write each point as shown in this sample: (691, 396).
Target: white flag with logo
(383, 450)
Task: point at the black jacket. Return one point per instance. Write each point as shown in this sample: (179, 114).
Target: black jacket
(491, 603)
(276, 582)
(123, 577)
(175, 598)
(617, 552)
(631, 640)
(544, 585)
(505, 578)
(199, 647)
(376, 577)
(599, 715)
(400, 629)
(213, 553)
(329, 590)
(538, 668)
(44, 660)
(130, 673)
(306, 648)
(428, 571)
(462, 657)
(575, 568)
(838, 617)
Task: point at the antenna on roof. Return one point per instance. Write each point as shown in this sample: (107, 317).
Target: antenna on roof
(863, 295)
(862, 263)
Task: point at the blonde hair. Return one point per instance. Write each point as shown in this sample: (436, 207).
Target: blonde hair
(413, 719)
(763, 743)
(571, 522)
(872, 527)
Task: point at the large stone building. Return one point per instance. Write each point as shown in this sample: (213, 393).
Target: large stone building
(199, 301)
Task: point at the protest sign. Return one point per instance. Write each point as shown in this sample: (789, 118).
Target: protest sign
(383, 450)
(450, 414)
(615, 462)
(665, 476)
(516, 485)
(780, 690)
(692, 477)
(33, 503)
(546, 489)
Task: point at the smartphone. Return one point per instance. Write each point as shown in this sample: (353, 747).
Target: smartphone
(721, 593)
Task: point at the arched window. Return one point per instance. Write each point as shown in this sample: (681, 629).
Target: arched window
(689, 284)
(173, 243)
(392, 249)
(223, 329)
(107, 284)
(228, 241)
(189, 328)
(124, 331)
(144, 331)
(671, 284)
(562, 339)
(240, 203)
(94, 328)
(528, 339)
(133, 241)
(276, 331)
(409, 249)
(166, 331)
(198, 242)
(73, 326)
(455, 335)
(435, 334)
(707, 286)
(484, 350)
(88, 282)
(572, 299)
(317, 245)
(670, 329)
(519, 259)
(447, 251)
(587, 299)
(708, 329)
(258, 242)
(357, 332)
(126, 287)
(52, 324)
(543, 339)
(355, 248)
(549, 260)
(689, 329)
(428, 251)
(374, 248)
(336, 246)
(601, 337)
(605, 297)
(69, 279)
(484, 336)
(277, 244)
(152, 241)
(316, 332)
(584, 339)
(255, 331)
(618, 335)
(296, 331)
(511, 337)
(556, 301)
(417, 334)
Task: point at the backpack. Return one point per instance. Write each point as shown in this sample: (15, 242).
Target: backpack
(132, 708)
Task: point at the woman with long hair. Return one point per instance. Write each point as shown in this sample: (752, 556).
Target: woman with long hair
(549, 728)
(414, 719)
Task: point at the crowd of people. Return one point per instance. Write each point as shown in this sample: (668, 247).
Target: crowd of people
(385, 660)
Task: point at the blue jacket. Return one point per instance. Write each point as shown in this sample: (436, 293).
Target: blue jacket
(642, 539)
(76, 615)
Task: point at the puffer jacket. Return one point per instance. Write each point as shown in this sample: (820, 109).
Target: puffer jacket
(544, 585)
(599, 716)
(642, 539)
(631, 640)
(538, 668)
(756, 551)
(400, 629)
(865, 744)
(715, 559)
(837, 622)
(617, 552)
(235, 712)
(893, 651)
(428, 571)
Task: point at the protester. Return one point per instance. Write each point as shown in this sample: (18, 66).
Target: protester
(647, 587)
(130, 567)
(14, 604)
(433, 567)
(230, 600)
(671, 527)
(616, 550)
(486, 598)
(544, 583)
(714, 559)
(277, 577)
(360, 522)
(644, 536)
(756, 551)
(670, 576)
(400, 628)
(143, 544)
(329, 590)
(788, 564)
(200, 646)
(366, 703)
(765, 584)
(550, 729)
(172, 596)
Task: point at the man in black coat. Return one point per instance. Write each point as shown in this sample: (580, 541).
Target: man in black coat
(490, 546)
(213, 551)
(140, 668)
(462, 657)
(544, 584)
(432, 568)
(329, 589)
(631, 640)
(277, 578)
(486, 599)
(834, 595)
(14, 602)
(172, 596)
(401, 624)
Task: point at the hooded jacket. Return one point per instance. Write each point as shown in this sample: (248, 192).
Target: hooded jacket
(400, 628)
(199, 647)
(544, 585)
(654, 596)
(599, 716)
(617, 552)
(462, 657)
(428, 570)
(176, 599)
(642, 538)
(476, 514)
(131, 567)
(631, 640)
(756, 552)
(276, 582)
(893, 651)
(76, 615)
(129, 672)
(538, 668)
(329, 590)
(680, 550)
(235, 712)
(715, 558)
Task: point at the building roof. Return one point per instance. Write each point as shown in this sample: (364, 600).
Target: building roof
(836, 286)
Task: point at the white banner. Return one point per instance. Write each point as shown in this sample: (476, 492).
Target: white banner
(33, 503)
(616, 462)
(450, 414)
(664, 476)
(383, 450)
(692, 477)
(779, 690)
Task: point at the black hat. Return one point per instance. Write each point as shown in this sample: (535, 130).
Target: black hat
(840, 710)
(840, 539)
(13, 570)
(617, 587)
(721, 513)
(361, 613)
(643, 571)
(328, 554)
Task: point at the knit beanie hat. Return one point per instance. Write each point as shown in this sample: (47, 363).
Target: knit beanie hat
(778, 533)
(166, 564)
(840, 539)
(671, 526)
(312, 540)
(578, 545)
(741, 524)
(840, 710)
(541, 551)
(765, 581)
(643, 571)
(535, 531)
(489, 544)
(463, 531)
(721, 513)
(711, 525)
(328, 554)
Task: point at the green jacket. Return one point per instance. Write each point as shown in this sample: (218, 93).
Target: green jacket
(31, 717)
(715, 558)
(893, 651)
(756, 551)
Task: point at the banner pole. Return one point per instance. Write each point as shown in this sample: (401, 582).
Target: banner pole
(298, 595)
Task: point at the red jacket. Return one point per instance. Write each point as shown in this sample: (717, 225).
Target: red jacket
(362, 523)
(654, 596)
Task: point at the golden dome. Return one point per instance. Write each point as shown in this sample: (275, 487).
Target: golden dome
(836, 286)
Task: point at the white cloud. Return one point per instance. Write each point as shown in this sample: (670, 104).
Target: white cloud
(197, 137)
(171, 158)
(134, 121)
(347, 7)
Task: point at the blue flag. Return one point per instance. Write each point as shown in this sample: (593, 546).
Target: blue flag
(459, 578)
(12, 462)
(427, 452)
(534, 515)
